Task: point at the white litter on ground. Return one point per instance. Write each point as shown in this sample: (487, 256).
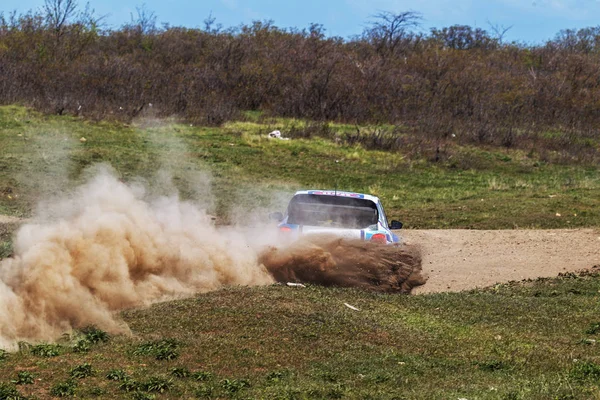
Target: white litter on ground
(277, 135)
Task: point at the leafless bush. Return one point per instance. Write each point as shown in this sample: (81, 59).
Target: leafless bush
(456, 82)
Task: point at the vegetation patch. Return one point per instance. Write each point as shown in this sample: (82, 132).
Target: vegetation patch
(45, 350)
(23, 378)
(163, 349)
(81, 371)
(64, 389)
(259, 342)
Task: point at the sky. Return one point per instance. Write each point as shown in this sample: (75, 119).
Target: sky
(530, 21)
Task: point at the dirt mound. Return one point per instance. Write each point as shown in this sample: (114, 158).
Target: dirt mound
(332, 261)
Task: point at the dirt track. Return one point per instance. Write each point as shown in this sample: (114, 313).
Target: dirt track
(456, 260)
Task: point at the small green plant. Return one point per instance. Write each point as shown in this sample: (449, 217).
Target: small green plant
(129, 385)
(10, 392)
(491, 366)
(276, 376)
(586, 370)
(97, 391)
(117, 375)
(82, 346)
(593, 329)
(234, 385)
(45, 350)
(95, 335)
(139, 395)
(81, 371)
(180, 372)
(157, 384)
(23, 378)
(64, 389)
(165, 349)
(5, 249)
(3, 355)
(202, 376)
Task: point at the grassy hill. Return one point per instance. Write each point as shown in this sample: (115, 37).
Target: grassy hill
(237, 166)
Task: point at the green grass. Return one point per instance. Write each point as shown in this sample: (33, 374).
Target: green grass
(236, 166)
(528, 340)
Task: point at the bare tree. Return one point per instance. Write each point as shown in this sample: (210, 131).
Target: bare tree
(210, 26)
(389, 29)
(499, 31)
(58, 13)
(145, 22)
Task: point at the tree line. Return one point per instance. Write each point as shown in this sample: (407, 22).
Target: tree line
(458, 81)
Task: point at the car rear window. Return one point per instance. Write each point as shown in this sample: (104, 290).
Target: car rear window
(332, 211)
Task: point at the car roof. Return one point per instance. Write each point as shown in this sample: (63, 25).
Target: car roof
(339, 193)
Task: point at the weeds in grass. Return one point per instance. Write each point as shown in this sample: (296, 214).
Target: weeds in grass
(180, 372)
(82, 346)
(157, 384)
(10, 392)
(23, 378)
(45, 350)
(64, 389)
(117, 375)
(128, 385)
(276, 376)
(202, 376)
(95, 335)
(234, 385)
(586, 370)
(5, 249)
(3, 355)
(165, 349)
(593, 329)
(97, 391)
(82, 371)
(139, 395)
(491, 366)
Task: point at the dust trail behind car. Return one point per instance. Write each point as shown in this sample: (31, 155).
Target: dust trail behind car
(109, 246)
(333, 261)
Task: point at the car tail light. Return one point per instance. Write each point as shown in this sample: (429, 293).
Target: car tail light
(285, 229)
(379, 238)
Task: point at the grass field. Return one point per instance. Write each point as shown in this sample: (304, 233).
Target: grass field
(476, 188)
(528, 340)
(534, 340)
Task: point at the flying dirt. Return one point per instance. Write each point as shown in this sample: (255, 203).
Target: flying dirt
(333, 261)
(108, 246)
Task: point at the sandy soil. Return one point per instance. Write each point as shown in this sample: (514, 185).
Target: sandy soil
(456, 260)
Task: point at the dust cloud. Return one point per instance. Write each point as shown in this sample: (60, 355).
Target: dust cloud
(334, 261)
(109, 246)
(105, 249)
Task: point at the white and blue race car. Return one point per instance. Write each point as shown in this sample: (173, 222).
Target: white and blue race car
(345, 214)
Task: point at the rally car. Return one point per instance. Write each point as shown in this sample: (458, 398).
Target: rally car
(346, 214)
